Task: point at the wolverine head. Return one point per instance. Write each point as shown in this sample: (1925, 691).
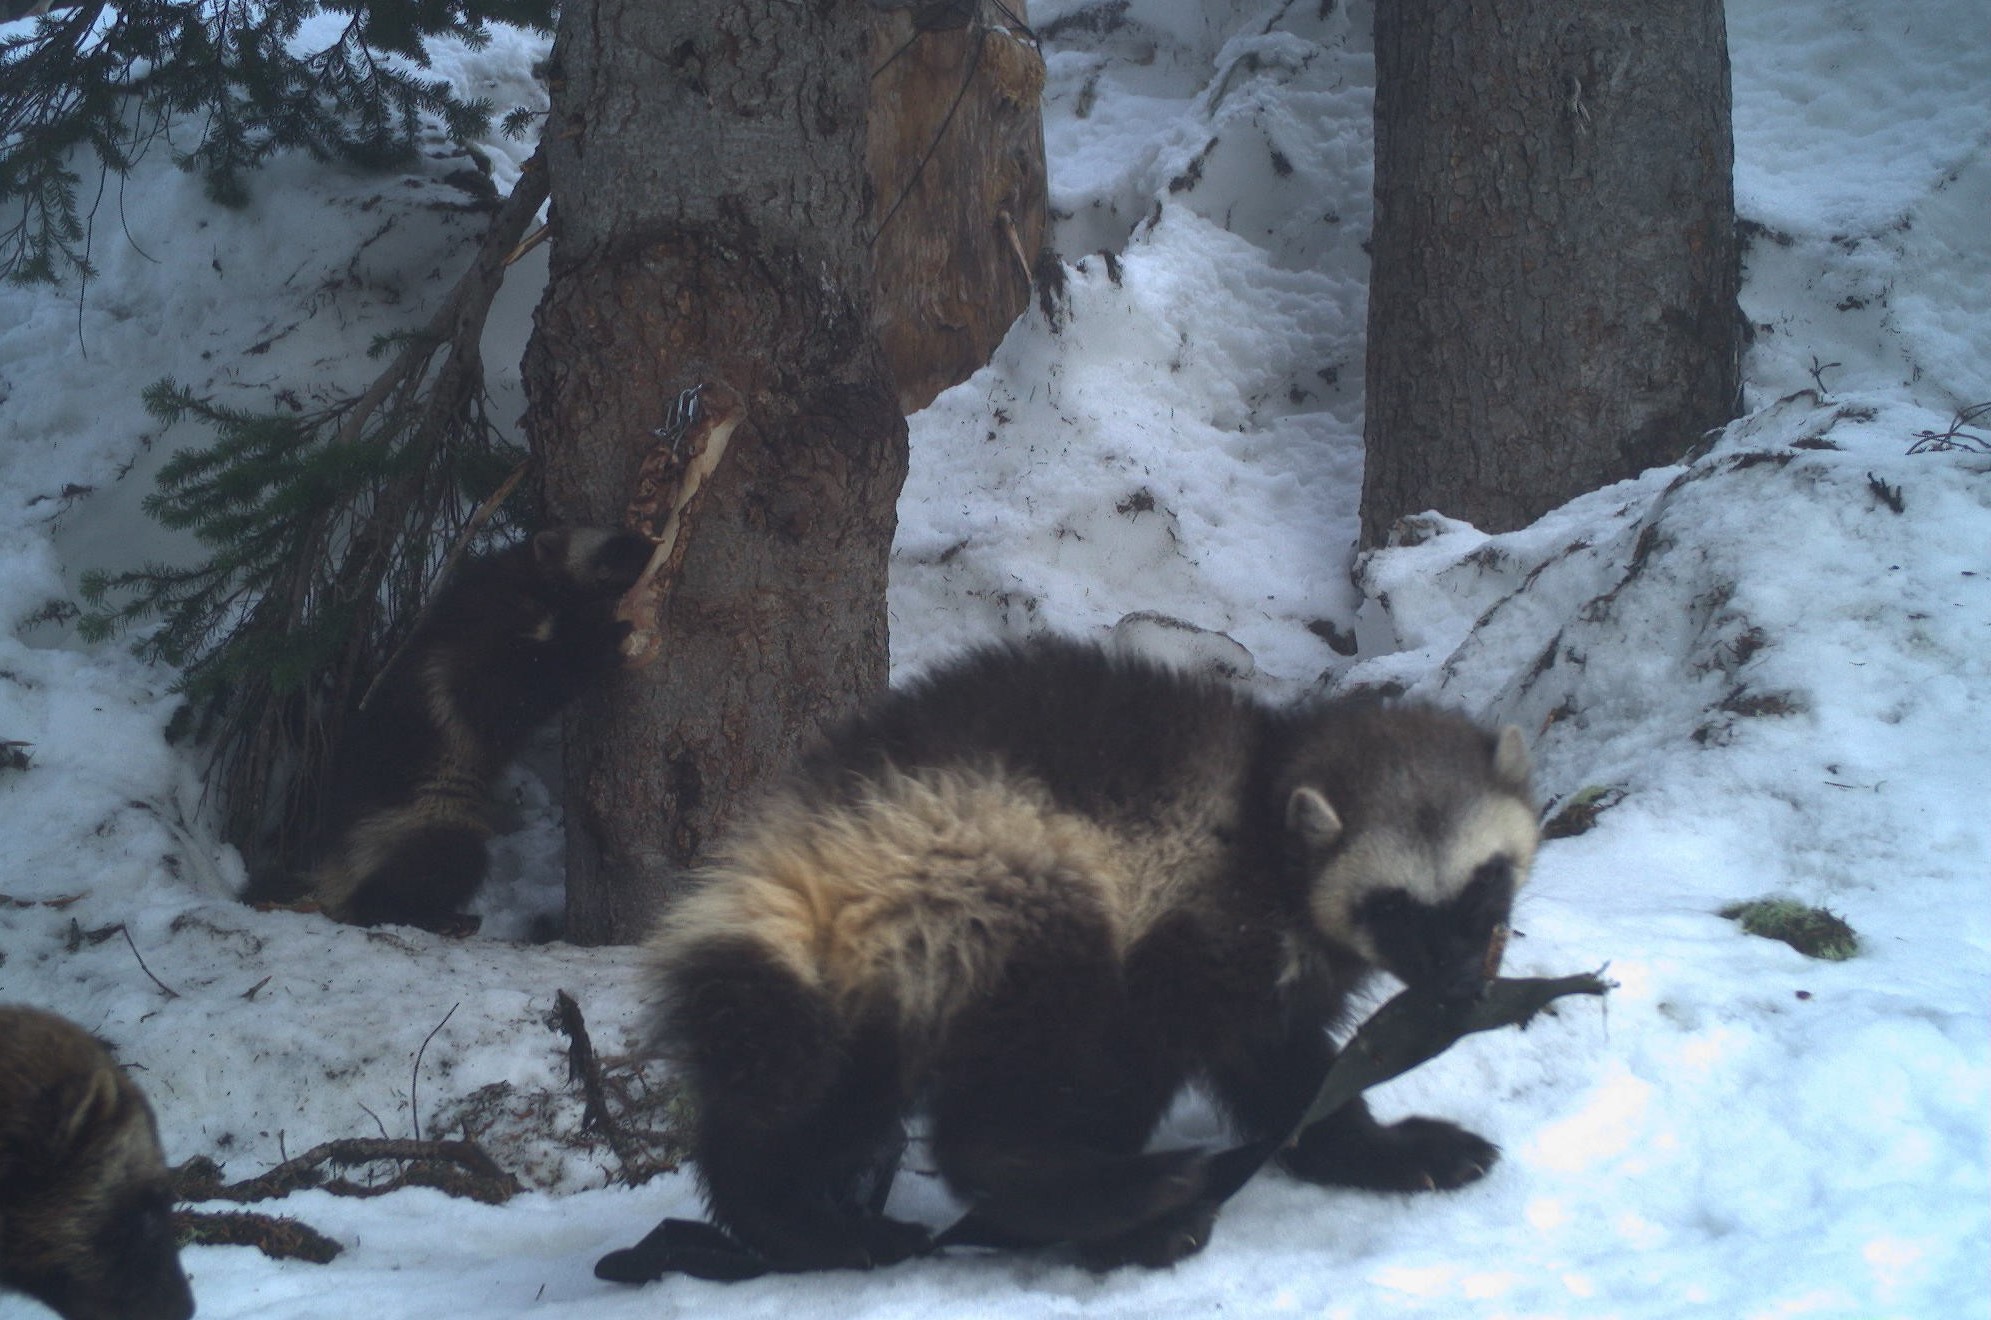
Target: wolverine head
(590, 562)
(1413, 828)
(86, 1222)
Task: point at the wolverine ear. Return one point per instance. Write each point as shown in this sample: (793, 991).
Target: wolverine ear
(549, 549)
(1313, 818)
(87, 1108)
(1510, 760)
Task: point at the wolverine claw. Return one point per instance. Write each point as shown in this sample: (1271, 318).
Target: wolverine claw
(1415, 1155)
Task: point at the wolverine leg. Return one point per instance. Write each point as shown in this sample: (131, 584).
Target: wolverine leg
(799, 1123)
(1046, 1098)
(1267, 1083)
(423, 879)
(1349, 1148)
(1268, 1076)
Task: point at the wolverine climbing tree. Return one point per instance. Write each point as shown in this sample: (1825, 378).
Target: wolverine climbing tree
(712, 317)
(708, 208)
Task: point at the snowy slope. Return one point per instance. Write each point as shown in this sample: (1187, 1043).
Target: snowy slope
(1781, 679)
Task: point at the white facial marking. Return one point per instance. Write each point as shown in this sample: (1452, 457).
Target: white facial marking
(1430, 871)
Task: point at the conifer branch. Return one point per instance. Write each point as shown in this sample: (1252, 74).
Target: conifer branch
(232, 76)
(324, 533)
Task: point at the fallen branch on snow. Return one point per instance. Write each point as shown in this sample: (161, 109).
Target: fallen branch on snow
(279, 1238)
(1410, 1029)
(460, 1168)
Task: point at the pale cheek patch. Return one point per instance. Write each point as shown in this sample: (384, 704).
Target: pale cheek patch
(1368, 865)
(124, 1154)
(1500, 827)
(1432, 874)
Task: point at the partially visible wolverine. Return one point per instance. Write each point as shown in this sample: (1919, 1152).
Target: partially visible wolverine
(86, 1224)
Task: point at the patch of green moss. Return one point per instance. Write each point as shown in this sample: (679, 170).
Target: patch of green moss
(1580, 813)
(1813, 932)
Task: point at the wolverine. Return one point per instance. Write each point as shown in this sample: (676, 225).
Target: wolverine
(86, 1223)
(512, 638)
(1034, 895)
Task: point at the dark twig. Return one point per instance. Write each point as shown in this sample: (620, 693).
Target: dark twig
(1955, 436)
(378, 1126)
(585, 1068)
(460, 1168)
(415, 1076)
(278, 1237)
(169, 991)
(1886, 494)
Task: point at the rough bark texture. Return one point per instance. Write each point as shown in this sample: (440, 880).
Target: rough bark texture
(710, 223)
(958, 191)
(1552, 301)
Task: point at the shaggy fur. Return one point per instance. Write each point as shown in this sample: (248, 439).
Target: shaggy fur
(1039, 892)
(85, 1212)
(510, 640)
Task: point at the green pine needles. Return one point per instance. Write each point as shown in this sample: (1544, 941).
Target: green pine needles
(276, 501)
(324, 531)
(225, 83)
(323, 534)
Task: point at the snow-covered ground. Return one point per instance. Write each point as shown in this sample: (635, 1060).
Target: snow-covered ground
(1784, 681)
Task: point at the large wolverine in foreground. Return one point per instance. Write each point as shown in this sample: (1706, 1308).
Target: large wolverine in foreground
(1039, 892)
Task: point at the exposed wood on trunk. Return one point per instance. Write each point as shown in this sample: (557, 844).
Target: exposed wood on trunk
(956, 149)
(710, 226)
(688, 446)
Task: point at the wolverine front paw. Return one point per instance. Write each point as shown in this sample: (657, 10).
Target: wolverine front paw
(1416, 1155)
(889, 1241)
(1160, 1242)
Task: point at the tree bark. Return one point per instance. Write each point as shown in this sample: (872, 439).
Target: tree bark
(708, 176)
(959, 199)
(1552, 303)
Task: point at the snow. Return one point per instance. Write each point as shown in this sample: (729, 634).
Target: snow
(1784, 678)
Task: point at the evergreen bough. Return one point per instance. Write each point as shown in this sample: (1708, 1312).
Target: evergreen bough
(225, 83)
(325, 530)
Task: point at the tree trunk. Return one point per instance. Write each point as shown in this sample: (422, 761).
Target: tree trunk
(1552, 304)
(707, 166)
(958, 191)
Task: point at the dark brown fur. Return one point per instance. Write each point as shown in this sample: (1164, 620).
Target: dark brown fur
(511, 639)
(1039, 892)
(85, 1211)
